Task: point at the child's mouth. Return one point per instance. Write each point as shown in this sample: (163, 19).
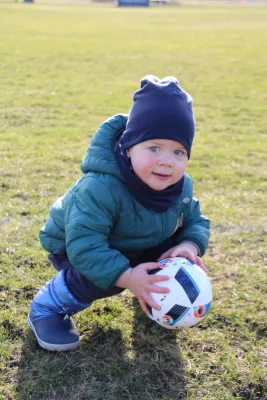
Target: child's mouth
(162, 176)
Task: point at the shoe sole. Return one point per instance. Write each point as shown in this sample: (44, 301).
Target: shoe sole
(50, 346)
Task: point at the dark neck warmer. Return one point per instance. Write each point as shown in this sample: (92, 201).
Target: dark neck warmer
(158, 200)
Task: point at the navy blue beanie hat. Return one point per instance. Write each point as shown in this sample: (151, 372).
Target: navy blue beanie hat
(161, 110)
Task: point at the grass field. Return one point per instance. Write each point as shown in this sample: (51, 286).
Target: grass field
(63, 71)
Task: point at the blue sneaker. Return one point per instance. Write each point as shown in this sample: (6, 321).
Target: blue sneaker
(55, 333)
(49, 315)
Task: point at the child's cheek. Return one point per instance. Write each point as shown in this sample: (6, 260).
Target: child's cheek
(144, 166)
(149, 164)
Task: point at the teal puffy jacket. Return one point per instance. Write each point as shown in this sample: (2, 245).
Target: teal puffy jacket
(101, 223)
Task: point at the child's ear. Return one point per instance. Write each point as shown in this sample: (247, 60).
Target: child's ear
(128, 151)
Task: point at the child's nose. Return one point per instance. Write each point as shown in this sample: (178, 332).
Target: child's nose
(166, 159)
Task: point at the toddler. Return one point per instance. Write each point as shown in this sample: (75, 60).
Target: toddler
(132, 207)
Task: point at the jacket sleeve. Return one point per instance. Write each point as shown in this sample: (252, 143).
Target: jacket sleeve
(91, 218)
(195, 226)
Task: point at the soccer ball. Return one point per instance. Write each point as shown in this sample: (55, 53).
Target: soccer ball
(190, 294)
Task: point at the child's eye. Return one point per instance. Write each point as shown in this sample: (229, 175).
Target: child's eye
(179, 153)
(154, 149)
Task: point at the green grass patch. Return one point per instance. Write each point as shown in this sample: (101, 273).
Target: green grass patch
(63, 71)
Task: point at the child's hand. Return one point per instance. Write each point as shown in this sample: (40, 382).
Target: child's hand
(140, 283)
(187, 250)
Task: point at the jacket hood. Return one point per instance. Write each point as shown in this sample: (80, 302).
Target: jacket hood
(100, 155)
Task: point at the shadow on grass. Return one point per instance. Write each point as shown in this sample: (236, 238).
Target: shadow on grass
(104, 367)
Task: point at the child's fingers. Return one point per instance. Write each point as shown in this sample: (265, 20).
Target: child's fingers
(152, 265)
(157, 278)
(148, 299)
(143, 305)
(163, 256)
(185, 254)
(179, 253)
(156, 289)
(200, 263)
(195, 259)
(176, 254)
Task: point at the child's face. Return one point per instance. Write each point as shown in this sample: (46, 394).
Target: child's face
(159, 162)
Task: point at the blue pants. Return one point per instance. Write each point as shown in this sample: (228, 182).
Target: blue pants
(86, 291)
